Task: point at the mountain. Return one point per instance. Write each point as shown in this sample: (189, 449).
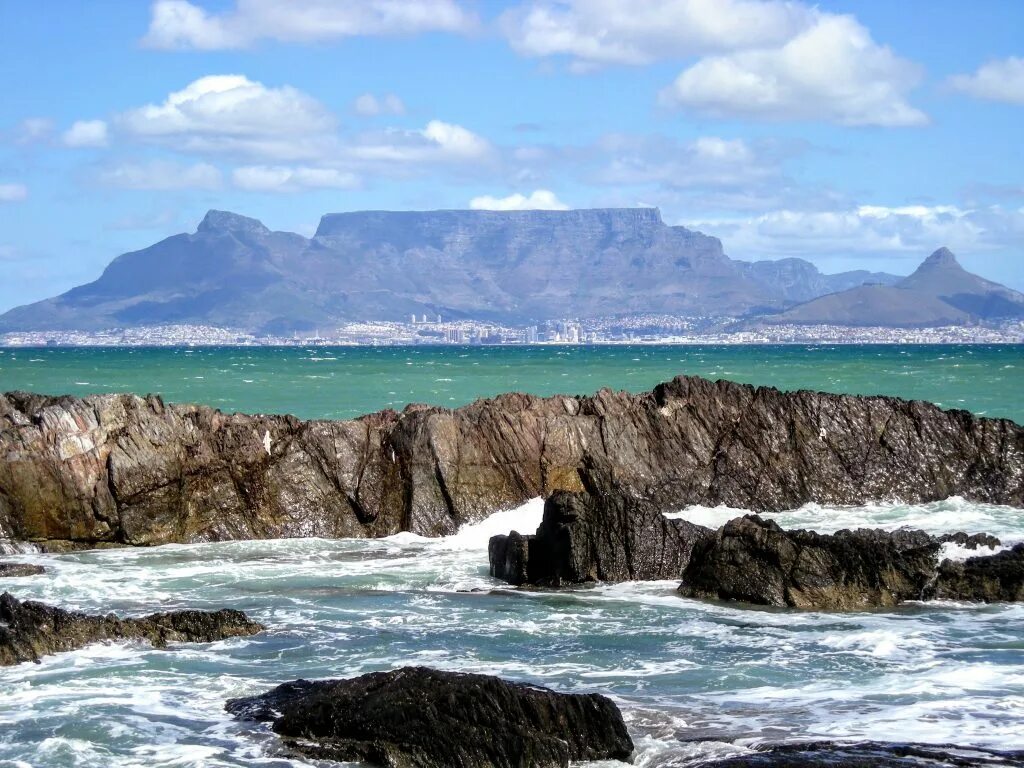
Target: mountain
(509, 266)
(939, 292)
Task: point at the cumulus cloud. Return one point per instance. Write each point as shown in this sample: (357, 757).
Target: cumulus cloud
(539, 200)
(599, 32)
(162, 175)
(262, 178)
(870, 230)
(832, 71)
(1001, 80)
(177, 24)
(369, 105)
(86, 133)
(231, 113)
(12, 193)
(403, 150)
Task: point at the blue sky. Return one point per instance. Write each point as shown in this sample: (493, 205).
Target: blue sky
(854, 134)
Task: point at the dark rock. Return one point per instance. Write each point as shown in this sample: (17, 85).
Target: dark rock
(20, 569)
(987, 579)
(970, 541)
(755, 561)
(597, 535)
(423, 718)
(872, 755)
(120, 469)
(30, 630)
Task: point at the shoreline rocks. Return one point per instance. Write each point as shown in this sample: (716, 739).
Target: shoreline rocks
(125, 470)
(30, 630)
(416, 717)
(12, 570)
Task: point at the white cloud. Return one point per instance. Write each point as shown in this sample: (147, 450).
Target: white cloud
(182, 24)
(870, 230)
(832, 71)
(403, 150)
(12, 193)
(539, 200)
(262, 178)
(162, 175)
(230, 113)
(369, 105)
(600, 32)
(86, 133)
(1001, 80)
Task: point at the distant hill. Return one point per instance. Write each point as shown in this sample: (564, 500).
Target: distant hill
(517, 267)
(939, 292)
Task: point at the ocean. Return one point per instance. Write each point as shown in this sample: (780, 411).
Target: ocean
(695, 680)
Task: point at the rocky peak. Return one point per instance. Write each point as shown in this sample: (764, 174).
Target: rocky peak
(225, 221)
(943, 258)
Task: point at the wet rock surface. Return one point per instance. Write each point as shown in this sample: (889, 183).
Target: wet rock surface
(30, 630)
(20, 569)
(872, 755)
(417, 717)
(121, 469)
(990, 579)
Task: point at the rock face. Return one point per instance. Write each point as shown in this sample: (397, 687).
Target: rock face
(20, 569)
(597, 535)
(30, 630)
(423, 718)
(121, 469)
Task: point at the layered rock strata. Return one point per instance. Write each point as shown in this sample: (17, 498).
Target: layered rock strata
(121, 469)
(30, 630)
(424, 718)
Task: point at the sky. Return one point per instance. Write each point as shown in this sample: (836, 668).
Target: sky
(853, 134)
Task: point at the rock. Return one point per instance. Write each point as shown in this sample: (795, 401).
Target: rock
(755, 561)
(987, 579)
(970, 541)
(20, 569)
(30, 630)
(423, 718)
(871, 754)
(597, 535)
(121, 469)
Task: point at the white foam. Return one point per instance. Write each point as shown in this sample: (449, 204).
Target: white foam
(524, 519)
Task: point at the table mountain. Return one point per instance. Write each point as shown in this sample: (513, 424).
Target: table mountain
(939, 292)
(512, 266)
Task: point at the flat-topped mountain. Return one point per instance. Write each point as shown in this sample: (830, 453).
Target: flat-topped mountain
(512, 266)
(939, 292)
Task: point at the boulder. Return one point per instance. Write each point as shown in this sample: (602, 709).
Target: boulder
(30, 630)
(20, 569)
(424, 718)
(988, 579)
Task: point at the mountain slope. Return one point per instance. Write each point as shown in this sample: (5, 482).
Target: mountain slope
(939, 292)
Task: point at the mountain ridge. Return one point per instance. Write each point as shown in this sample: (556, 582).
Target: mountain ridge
(517, 267)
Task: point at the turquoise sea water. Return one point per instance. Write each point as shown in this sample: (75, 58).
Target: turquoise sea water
(695, 680)
(342, 382)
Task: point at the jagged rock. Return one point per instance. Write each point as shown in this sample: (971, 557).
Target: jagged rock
(970, 541)
(20, 569)
(121, 469)
(755, 561)
(597, 535)
(30, 630)
(423, 718)
(988, 579)
(872, 754)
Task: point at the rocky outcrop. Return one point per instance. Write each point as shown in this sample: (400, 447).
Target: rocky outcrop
(869, 754)
(996, 578)
(423, 718)
(30, 630)
(596, 535)
(121, 469)
(20, 569)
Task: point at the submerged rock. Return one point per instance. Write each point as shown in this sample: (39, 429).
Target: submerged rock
(871, 755)
(20, 569)
(30, 630)
(121, 469)
(424, 718)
